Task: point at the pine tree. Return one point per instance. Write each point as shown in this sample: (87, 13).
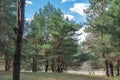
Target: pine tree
(19, 36)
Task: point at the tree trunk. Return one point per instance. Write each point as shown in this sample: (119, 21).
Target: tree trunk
(1, 2)
(7, 63)
(46, 66)
(7, 56)
(107, 68)
(55, 61)
(53, 66)
(17, 55)
(34, 64)
(61, 67)
(0, 11)
(118, 69)
(58, 64)
(111, 69)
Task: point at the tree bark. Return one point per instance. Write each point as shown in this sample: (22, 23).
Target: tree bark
(111, 69)
(34, 64)
(53, 65)
(107, 68)
(0, 12)
(61, 67)
(17, 55)
(118, 68)
(7, 56)
(46, 66)
(58, 64)
(7, 62)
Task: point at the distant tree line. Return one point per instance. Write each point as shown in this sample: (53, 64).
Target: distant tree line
(47, 39)
(49, 43)
(104, 39)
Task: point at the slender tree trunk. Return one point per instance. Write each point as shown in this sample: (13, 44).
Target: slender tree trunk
(53, 66)
(46, 62)
(55, 61)
(7, 62)
(34, 64)
(62, 64)
(58, 64)
(0, 12)
(107, 68)
(46, 66)
(17, 55)
(7, 57)
(111, 69)
(53, 70)
(61, 67)
(6, 65)
(118, 68)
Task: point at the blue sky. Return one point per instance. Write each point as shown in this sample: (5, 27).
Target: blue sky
(71, 8)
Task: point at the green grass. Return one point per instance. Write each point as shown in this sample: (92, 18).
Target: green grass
(52, 76)
(117, 77)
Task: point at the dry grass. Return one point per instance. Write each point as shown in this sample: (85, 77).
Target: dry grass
(53, 76)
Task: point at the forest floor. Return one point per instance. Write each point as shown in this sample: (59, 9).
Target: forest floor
(53, 76)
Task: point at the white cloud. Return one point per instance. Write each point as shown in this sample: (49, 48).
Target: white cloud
(83, 35)
(63, 1)
(28, 19)
(70, 17)
(79, 8)
(28, 2)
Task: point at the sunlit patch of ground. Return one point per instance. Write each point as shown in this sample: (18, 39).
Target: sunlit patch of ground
(94, 72)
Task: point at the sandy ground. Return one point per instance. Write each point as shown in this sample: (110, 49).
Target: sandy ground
(87, 72)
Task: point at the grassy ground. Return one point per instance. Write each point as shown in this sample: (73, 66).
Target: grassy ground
(52, 76)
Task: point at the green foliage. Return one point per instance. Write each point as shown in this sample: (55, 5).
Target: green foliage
(50, 36)
(103, 27)
(7, 23)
